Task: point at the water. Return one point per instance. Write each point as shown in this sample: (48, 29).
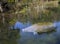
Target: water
(30, 38)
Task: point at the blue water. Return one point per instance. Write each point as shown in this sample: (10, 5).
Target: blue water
(30, 38)
(21, 25)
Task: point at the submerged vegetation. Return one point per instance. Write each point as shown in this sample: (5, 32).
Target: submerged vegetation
(35, 11)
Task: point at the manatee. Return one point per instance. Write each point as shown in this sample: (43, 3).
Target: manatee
(39, 28)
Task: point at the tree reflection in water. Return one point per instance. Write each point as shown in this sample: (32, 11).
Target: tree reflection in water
(9, 36)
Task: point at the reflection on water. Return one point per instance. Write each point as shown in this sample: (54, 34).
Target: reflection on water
(30, 38)
(21, 25)
(9, 37)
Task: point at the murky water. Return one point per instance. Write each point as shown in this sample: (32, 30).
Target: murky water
(30, 38)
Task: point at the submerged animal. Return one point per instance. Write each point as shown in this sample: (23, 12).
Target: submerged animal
(39, 28)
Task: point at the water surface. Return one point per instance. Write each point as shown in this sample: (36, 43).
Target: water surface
(30, 38)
